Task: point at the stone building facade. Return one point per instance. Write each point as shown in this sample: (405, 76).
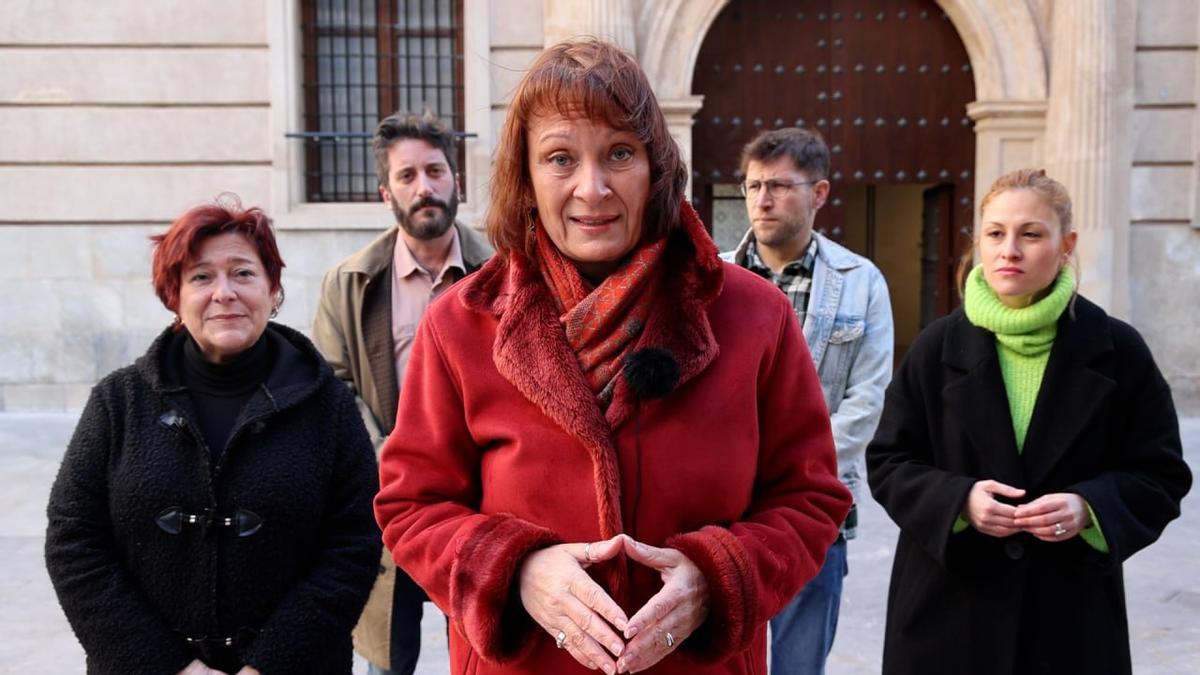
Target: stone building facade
(115, 117)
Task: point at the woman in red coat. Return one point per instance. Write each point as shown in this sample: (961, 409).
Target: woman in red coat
(612, 452)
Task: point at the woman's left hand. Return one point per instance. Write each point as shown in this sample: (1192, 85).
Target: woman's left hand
(671, 615)
(1054, 517)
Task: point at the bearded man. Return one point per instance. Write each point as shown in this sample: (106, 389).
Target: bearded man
(370, 306)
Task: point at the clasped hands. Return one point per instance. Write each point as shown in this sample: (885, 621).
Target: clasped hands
(1053, 517)
(584, 620)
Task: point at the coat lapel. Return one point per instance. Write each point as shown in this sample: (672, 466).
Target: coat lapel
(976, 396)
(377, 335)
(1071, 391)
(531, 352)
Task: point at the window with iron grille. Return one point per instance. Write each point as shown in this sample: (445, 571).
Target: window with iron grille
(363, 60)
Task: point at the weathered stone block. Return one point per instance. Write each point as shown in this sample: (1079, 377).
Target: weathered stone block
(14, 251)
(134, 22)
(33, 397)
(75, 194)
(507, 68)
(89, 306)
(1164, 135)
(1164, 295)
(84, 75)
(16, 357)
(59, 253)
(72, 357)
(1166, 23)
(97, 134)
(31, 303)
(122, 251)
(517, 23)
(1165, 77)
(1162, 193)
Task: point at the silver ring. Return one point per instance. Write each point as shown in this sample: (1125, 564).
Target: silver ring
(560, 639)
(1059, 530)
(587, 551)
(670, 640)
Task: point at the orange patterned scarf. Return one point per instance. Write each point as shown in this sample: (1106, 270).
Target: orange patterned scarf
(602, 322)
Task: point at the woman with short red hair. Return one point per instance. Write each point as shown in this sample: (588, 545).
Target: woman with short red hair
(212, 513)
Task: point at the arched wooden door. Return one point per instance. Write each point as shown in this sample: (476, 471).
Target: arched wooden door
(887, 83)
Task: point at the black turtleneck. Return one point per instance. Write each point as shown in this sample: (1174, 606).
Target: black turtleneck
(219, 391)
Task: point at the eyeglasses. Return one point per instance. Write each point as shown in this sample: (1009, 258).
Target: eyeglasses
(776, 188)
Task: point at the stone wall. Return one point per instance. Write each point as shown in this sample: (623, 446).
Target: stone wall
(1164, 255)
(115, 117)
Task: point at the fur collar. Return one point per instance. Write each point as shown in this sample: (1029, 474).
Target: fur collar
(532, 353)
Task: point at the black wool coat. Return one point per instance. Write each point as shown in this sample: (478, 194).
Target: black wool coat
(285, 576)
(1103, 426)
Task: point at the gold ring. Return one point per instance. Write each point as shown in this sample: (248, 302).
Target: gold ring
(587, 551)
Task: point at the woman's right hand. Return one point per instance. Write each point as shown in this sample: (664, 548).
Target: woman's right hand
(988, 515)
(197, 667)
(563, 599)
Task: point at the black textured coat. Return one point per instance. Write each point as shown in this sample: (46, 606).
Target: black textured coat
(288, 591)
(1103, 426)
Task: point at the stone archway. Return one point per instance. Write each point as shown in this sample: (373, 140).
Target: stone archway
(1011, 84)
(1015, 111)
(668, 44)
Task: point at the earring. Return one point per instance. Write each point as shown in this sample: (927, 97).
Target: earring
(177, 320)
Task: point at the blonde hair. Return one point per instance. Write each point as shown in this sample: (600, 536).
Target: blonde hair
(1052, 192)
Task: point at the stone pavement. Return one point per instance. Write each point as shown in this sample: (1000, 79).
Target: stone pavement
(1162, 583)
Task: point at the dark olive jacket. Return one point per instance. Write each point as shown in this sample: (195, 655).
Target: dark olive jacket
(1103, 426)
(285, 577)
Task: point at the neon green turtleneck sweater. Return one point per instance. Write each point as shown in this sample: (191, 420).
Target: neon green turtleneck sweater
(1023, 340)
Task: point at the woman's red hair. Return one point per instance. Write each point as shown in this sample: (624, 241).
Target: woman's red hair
(587, 79)
(173, 248)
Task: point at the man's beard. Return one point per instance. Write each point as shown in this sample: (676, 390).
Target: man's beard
(426, 229)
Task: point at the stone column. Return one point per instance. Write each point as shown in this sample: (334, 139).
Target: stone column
(680, 114)
(1008, 136)
(611, 20)
(1088, 131)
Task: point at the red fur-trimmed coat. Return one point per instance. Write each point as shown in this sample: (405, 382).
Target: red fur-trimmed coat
(506, 451)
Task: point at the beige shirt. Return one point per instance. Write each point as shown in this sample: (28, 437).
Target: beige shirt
(413, 288)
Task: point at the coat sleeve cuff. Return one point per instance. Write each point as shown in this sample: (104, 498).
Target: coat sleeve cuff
(725, 564)
(484, 598)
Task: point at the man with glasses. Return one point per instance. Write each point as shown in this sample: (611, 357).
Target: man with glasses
(841, 301)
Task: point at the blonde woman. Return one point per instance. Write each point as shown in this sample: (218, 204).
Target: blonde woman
(1028, 446)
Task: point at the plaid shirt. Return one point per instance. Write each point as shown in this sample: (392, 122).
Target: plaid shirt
(796, 283)
(795, 280)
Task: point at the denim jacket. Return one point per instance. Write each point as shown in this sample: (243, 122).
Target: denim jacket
(849, 331)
